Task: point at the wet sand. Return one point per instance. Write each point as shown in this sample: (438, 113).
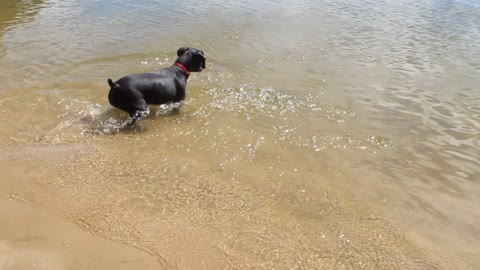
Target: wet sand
(31, 238)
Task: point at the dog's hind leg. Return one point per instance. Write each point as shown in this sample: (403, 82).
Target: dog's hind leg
(176, 106)
(138, 115)
(138, 111)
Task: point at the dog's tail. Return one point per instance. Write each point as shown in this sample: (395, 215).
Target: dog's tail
(112, 84)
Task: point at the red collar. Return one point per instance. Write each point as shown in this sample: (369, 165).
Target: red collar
(183, 68)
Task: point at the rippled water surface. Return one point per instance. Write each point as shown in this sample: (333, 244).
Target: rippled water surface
(322, 135)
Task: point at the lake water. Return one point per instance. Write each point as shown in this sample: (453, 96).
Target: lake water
(322, 135)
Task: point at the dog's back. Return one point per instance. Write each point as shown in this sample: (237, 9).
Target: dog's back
(155, 87)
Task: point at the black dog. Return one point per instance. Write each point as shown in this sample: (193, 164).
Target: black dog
(133, 93)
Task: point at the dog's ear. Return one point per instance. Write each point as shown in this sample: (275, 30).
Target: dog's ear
(182, 50)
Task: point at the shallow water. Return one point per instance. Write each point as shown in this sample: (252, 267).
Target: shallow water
(322, 135)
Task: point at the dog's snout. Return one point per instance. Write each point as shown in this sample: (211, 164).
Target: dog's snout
(204, 59)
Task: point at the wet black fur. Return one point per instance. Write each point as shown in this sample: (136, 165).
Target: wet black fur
(133, 93)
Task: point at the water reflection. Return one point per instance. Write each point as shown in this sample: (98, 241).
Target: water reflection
(14, 12)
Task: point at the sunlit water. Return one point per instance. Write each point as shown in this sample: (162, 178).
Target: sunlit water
(322, 135)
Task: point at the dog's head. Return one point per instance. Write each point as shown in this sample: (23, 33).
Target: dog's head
(191, 58)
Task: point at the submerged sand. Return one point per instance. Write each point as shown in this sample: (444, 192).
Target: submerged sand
(74, 208)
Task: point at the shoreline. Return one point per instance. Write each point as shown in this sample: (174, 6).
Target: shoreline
(32, 238)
